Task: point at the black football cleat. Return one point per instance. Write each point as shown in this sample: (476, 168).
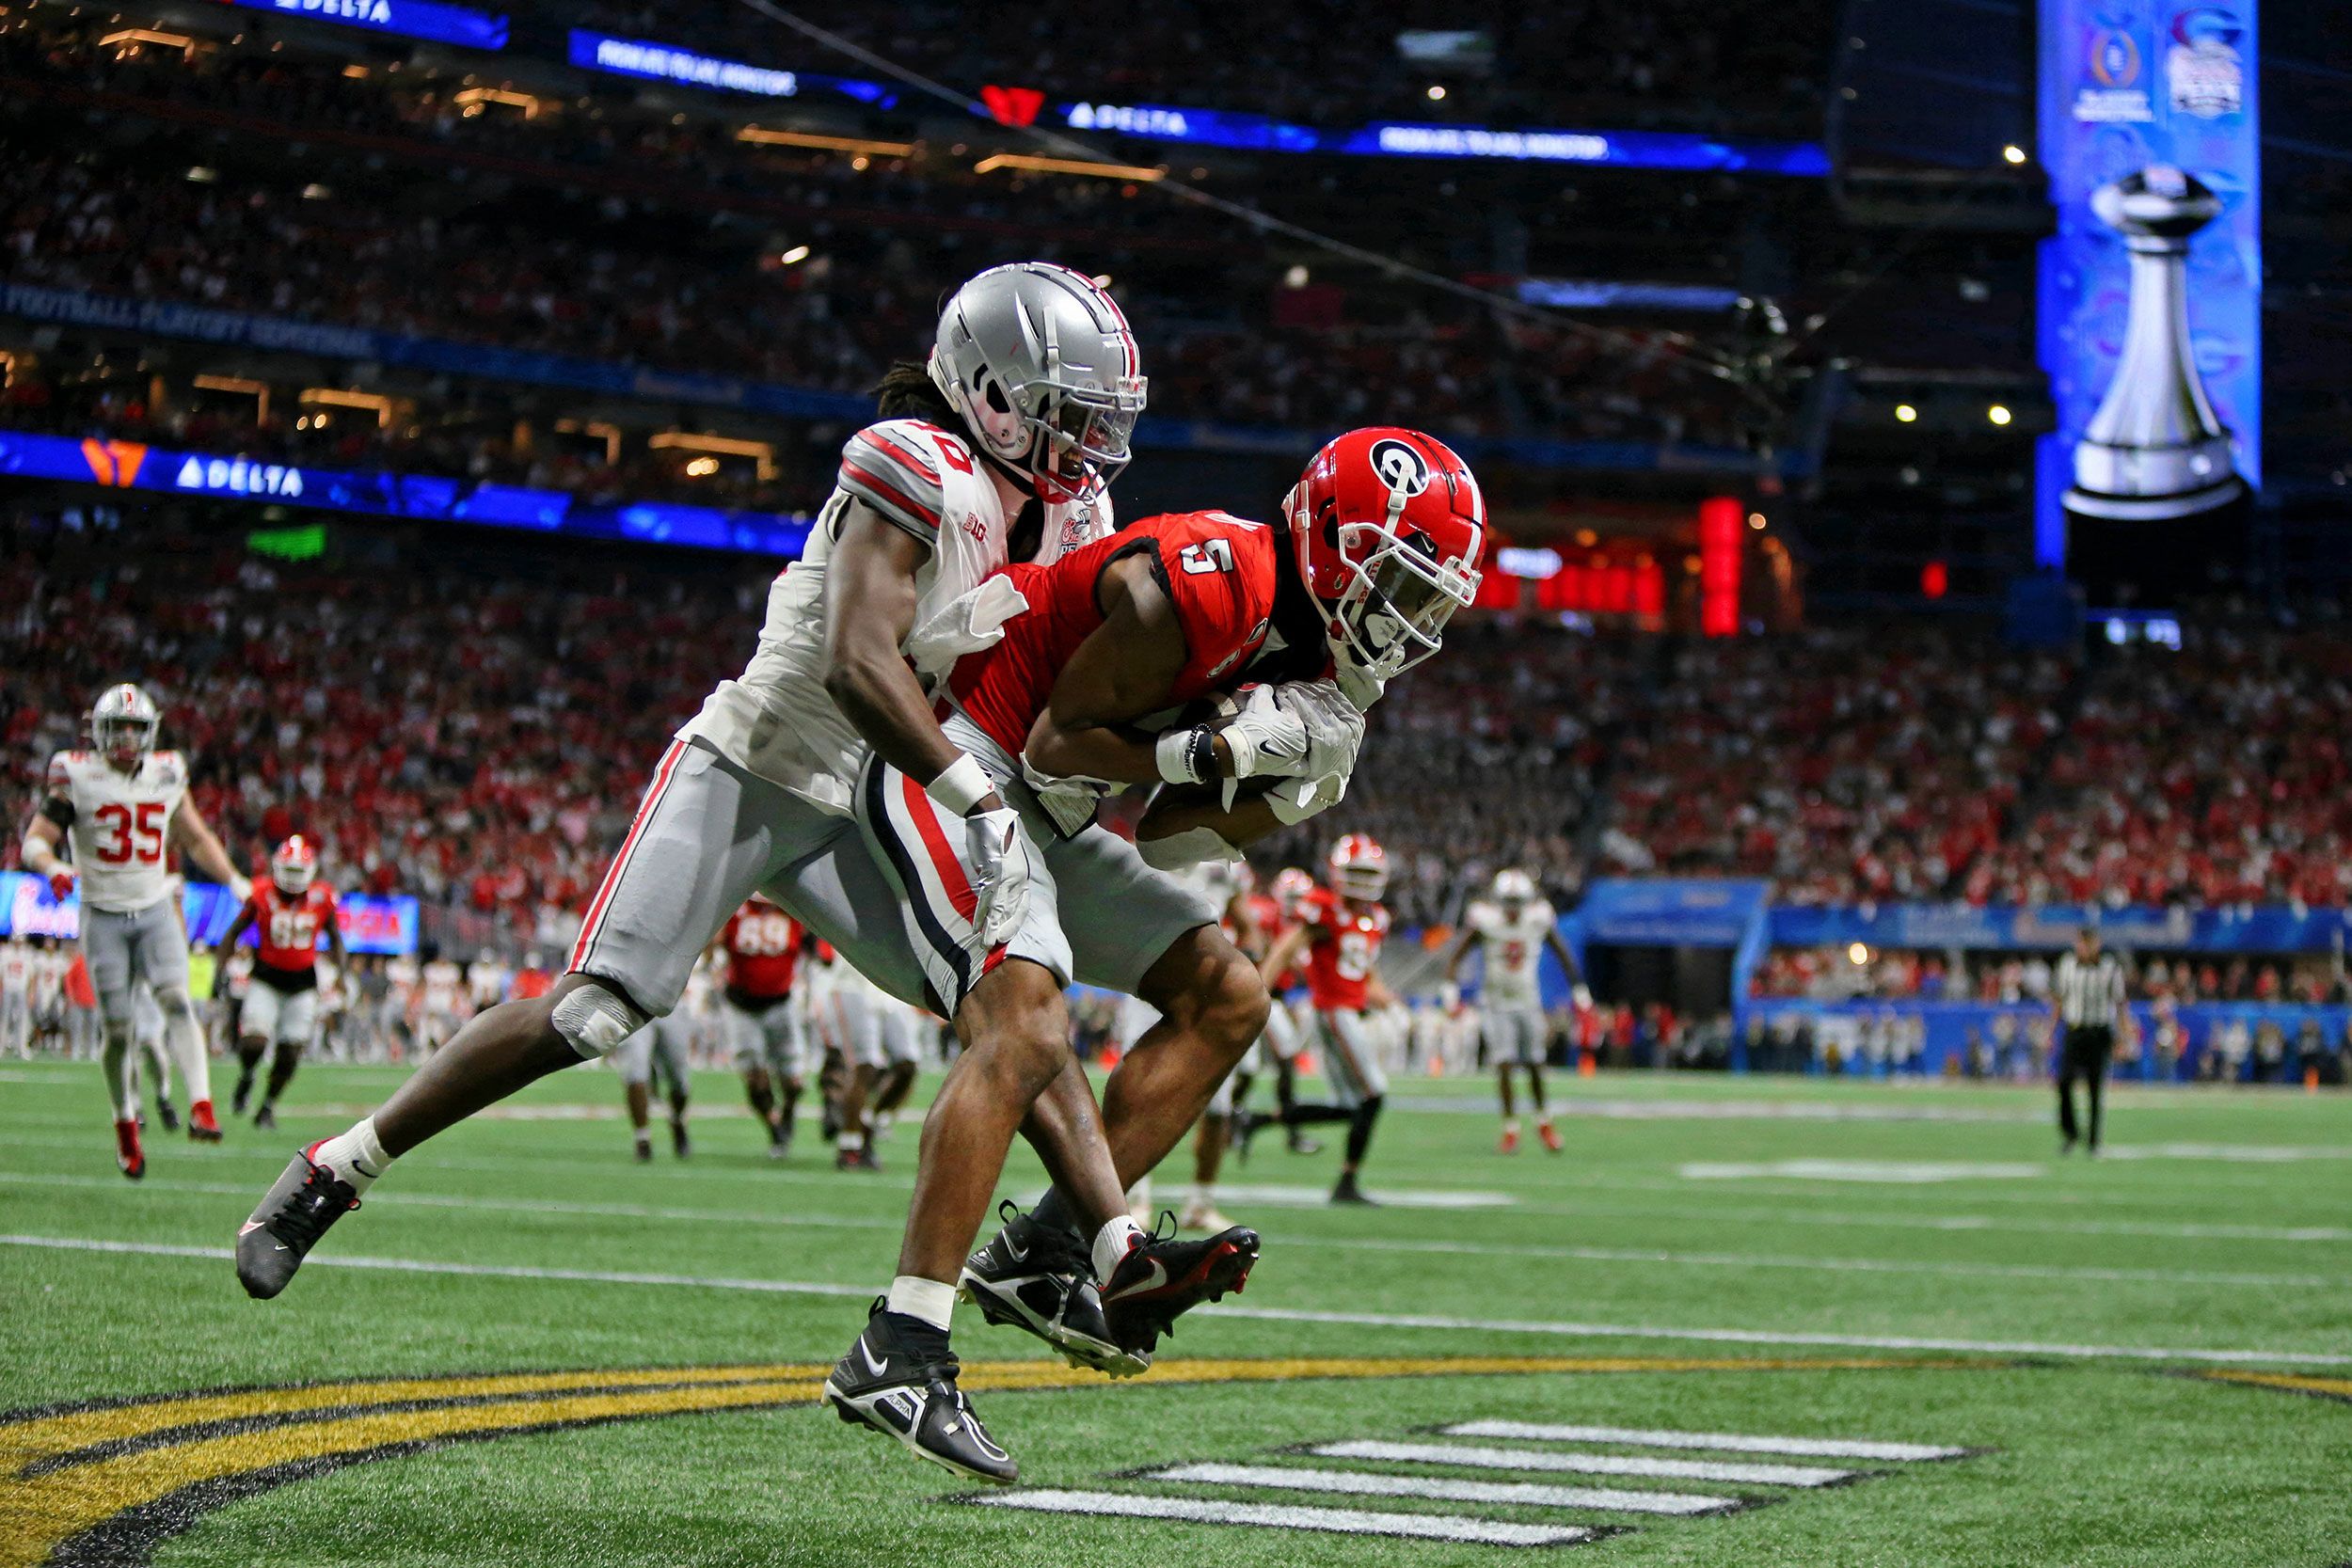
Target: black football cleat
(1349, 1195)
(861, 1157)
(1164, 1275)
(166, 1112)
(1041, 1280)
(266, 1117)
(293, 1214)
(899, 1378)
(680, 1144)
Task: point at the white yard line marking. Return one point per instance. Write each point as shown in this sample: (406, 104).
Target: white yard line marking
(1731, 1110)
(804, 1220)
(1481, 1328)
(1472, 1457)
(1904, 1172)
(1367, 1484)
(1721, 1442)
(1320, 1198)
(492, 1271)
(1489, 1326)
(2256, 1154)
(1336, 1521)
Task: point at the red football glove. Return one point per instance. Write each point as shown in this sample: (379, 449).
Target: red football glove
(61, 885)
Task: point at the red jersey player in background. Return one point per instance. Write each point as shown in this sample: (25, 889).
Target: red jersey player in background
(1272, 917)
(762, 945)
(289, 909)
(1339, 931)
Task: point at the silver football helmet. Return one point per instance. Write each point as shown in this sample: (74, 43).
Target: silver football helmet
(1044, 371)
(1513, 886)
(122, 724)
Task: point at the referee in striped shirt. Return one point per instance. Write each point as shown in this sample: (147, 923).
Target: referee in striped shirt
(2087, 1000)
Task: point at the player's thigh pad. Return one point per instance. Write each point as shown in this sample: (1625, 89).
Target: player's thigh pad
(108, 943)
(894, 1024)
(1121, 915)
(159, 949)
(921, 845)
(1512, 1034)
(673, 1042)
(1350, 1060)
(633, 1057)
(258, 1014)
(1282, 1036)
(706, 834)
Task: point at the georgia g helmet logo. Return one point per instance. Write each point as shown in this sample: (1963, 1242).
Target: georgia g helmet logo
(1402, 468)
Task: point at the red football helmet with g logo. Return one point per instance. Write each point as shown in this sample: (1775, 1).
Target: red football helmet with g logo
(1388, 526)
(1359, 867)
(294, 865)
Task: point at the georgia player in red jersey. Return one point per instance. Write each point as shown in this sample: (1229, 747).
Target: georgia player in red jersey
(1339, 931)
(762, 945)
(1304, 620)
(289, 909)
(1274, 915)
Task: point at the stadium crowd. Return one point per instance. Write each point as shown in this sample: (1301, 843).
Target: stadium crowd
(468, 720)
(559, 255)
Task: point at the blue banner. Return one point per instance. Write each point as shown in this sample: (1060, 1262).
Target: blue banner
(416, 19)
(203, 323)
(2012, 1040)
(2163, 90)
(1401, 139)
(130, 466)
(371, 923)
(662, 62)
(2244, 928)
(1626, 911)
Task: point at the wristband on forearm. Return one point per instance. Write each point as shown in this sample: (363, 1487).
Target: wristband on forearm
(961, 785)
(1186, 757)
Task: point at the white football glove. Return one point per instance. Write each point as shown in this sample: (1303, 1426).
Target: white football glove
(1000, 872)
(1335, 726)
(1264, 738)
(1294, 801)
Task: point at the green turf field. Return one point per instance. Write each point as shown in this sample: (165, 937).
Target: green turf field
(536, 1352)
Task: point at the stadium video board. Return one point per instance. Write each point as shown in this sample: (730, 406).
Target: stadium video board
(2151, 290)
(371, 923)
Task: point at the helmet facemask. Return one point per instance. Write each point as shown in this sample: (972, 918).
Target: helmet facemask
(123, 740)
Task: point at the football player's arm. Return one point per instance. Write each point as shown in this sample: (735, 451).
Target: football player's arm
(41, 836)
(228, 944)
(1284, 955)
(1577, 991)
(869, 609)
(1471, 938)
(1125, 669)
(196, 841)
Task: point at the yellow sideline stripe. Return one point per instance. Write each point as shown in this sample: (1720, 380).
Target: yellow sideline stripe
(2294, 1383)
(343, 1419)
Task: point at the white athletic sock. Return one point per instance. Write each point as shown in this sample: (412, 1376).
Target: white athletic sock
(928, 1299)
(188, 1043)
(853, 1142)
(1204, 1194)
(1510, 1124)
(356, 1156)
(1112, 1242)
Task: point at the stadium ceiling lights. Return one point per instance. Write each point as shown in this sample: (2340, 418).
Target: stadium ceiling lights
(766, 138)
(1029, 164)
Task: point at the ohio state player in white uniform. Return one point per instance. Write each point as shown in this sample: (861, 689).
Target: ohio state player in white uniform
(122, 806)
(1510, 929)
(16, 998)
